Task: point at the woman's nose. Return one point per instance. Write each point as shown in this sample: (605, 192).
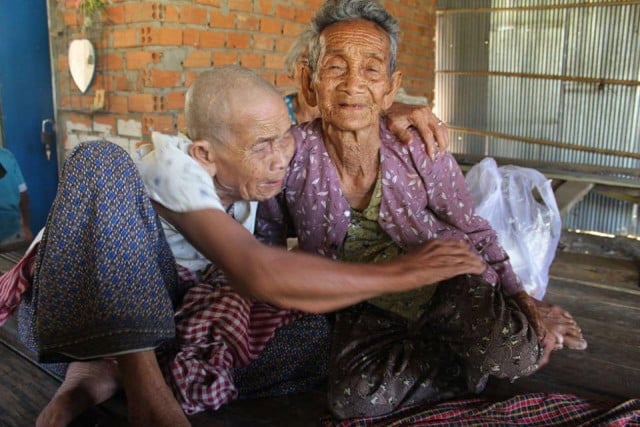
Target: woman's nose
(353, 79)
(282, 154)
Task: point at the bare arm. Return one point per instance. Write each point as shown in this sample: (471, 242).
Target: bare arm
(309, 282)
(400, 117)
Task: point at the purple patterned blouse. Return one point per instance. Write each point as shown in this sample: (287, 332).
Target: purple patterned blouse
(422, 200)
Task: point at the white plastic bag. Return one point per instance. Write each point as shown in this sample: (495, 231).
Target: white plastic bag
(527, 229)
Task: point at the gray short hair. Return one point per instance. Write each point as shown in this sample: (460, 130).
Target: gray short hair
(334, 11)
(209, 98)
(298, 51)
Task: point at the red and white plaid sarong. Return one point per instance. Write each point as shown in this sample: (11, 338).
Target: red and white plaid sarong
(14, 282)
(218, 330)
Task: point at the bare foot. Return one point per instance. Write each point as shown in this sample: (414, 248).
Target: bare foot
(85, 385)
(561, 324)
(149, 398)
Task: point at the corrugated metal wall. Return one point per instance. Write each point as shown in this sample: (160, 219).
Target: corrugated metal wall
(555, 80)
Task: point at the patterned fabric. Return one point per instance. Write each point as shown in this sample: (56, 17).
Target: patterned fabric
(14, 282)
(295, 360)
(382, 362)
(217, 330)
(367, 242)
(105, 280)
(535, 410)
(422, 199)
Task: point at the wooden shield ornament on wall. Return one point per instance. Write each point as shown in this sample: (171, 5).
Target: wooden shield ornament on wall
(82, 63)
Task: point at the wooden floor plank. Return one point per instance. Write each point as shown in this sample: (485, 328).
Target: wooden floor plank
(24, 390)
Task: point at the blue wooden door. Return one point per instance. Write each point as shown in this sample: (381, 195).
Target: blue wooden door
(26, 98)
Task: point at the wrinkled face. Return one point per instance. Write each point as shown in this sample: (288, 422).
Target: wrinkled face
(252, 161)
(352, 85)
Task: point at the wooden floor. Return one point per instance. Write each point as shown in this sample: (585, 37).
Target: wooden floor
(602, 292)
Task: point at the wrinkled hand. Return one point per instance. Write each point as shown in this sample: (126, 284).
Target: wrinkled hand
(400, 117)
(439, 260)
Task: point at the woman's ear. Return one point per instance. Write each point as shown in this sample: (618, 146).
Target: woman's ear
(202, 152)
(306, 85)
(396, 83)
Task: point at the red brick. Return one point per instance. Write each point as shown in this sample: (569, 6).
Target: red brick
(115, 14)
(62, 63)
(116, 83)
(265, 7)
(238, 40)
(103, 42)
(140, 12)
(97, 83)
(193, 15)
(251, 60)
(140, 103)
(138, 59)
(116, 104)
(164, 124)
(304, 16)
(103, 119)
(162, 36)
(70, 19)
(158, 12)
(79, 119)
(197, 59)
(270, 26)
(241, 5)
(109, 61)
(65, 101)
(171, 13)
(283, 45)
(76, 102)
(175, 101)
(219, 20)
(191, 37)
(285, 12)
(261, 42)
(159, 103)
(216, 3)
(212, 38)
(127, 37)
(161, 78)
(274, 61)
(224, 58)
(293, 29)
(247, 22)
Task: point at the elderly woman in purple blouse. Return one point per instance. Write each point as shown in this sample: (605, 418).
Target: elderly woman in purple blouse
(354, 192)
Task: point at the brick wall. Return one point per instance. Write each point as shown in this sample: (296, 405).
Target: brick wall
(148, 52)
